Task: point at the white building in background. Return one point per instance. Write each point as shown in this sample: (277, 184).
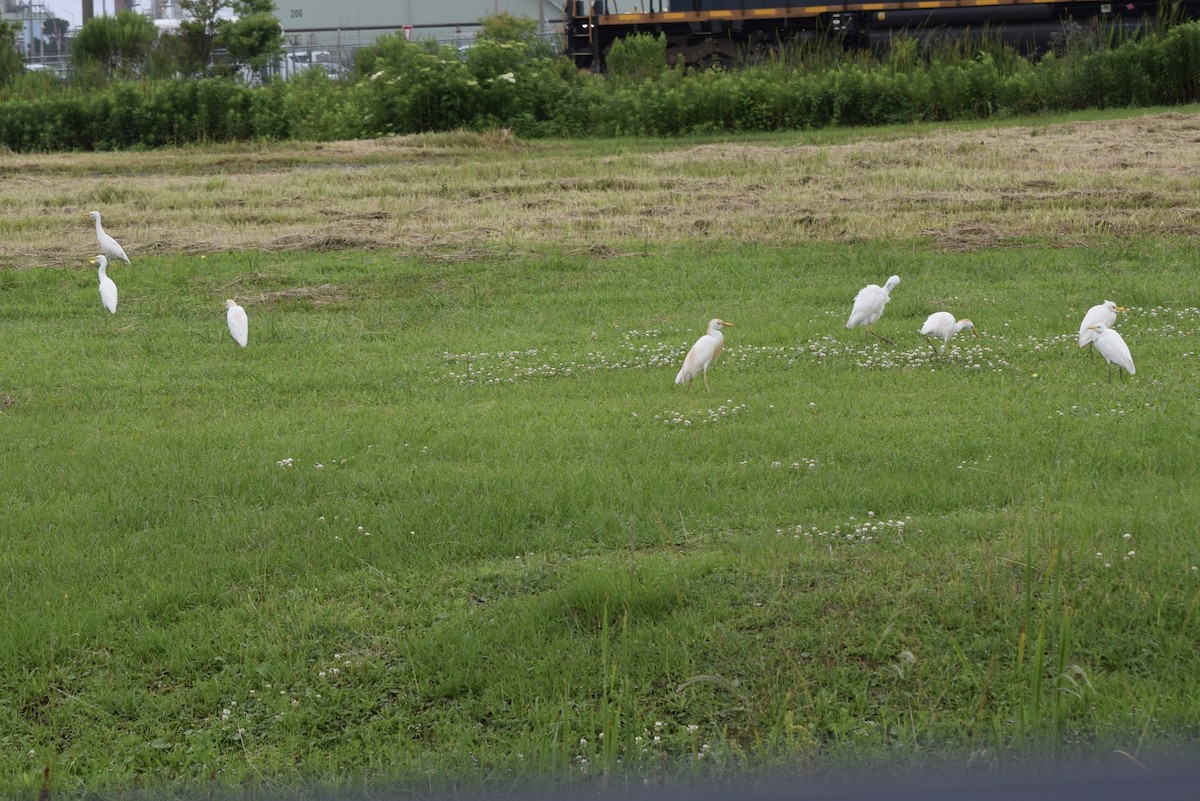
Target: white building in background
(349, 24)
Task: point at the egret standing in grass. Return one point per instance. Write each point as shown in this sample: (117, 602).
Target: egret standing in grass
(869, 303)
(239, 326)
(942, 325)
(703, 353)
(108, 246)
(108, 290)
(1103, 314)
(1113, 348)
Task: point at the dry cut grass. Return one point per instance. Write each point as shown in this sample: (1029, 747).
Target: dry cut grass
(463, 196)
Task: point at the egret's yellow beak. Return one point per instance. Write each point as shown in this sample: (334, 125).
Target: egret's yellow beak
(726, 324)
(92, 260)
(1120, 308)
(975, 331)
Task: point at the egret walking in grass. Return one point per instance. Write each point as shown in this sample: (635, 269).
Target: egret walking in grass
(942, 325)
(1103, 314)
(108, 246)
(1113, 348)
(704, 353)
(869, 303)
(108, 290)
(239, 326)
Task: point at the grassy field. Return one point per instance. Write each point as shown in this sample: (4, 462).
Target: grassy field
(448, 522)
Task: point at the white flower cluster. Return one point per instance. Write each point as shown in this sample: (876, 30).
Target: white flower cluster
(1127, 537)
(340, 662)
(869, 530)
(725, 410)
(289, 463)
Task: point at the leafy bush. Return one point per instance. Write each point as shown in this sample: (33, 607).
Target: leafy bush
(640, 57)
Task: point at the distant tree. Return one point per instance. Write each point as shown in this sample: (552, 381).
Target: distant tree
(114, 46)
(255, 38)
(170, 58)
(54, 31)
(198, 32)
(250, 32)
(11, 63)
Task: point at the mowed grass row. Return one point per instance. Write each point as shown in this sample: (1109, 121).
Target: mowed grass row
(452, 523)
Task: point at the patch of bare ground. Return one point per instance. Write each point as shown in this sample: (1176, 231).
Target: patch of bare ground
(321, 295)
(462, 196)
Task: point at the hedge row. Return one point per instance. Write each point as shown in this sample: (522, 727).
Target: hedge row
(408, 89)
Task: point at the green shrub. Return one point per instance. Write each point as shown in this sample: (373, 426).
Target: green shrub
(640, 57)
(314, 105)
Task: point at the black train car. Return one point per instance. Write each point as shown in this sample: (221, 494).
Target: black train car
(709, 31)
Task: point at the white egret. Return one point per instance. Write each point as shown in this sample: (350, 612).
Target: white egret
(1103, 314)
(1113, 348)
(869, 303)
(239, 326)
(703, 353)
(942, 325)
(108, 290)
(109, 246)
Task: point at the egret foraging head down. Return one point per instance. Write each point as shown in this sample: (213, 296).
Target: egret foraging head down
(239, 326)
(108, 246)
(1113, 348)
(1103, 314)
(703, 353)
(108, 290)
(869, 303)
(943, 326)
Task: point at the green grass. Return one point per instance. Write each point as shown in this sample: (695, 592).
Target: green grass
(504, 531)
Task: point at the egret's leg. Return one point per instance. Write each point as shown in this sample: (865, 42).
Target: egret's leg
(929, 342)
(706, 386)
(871, 328)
